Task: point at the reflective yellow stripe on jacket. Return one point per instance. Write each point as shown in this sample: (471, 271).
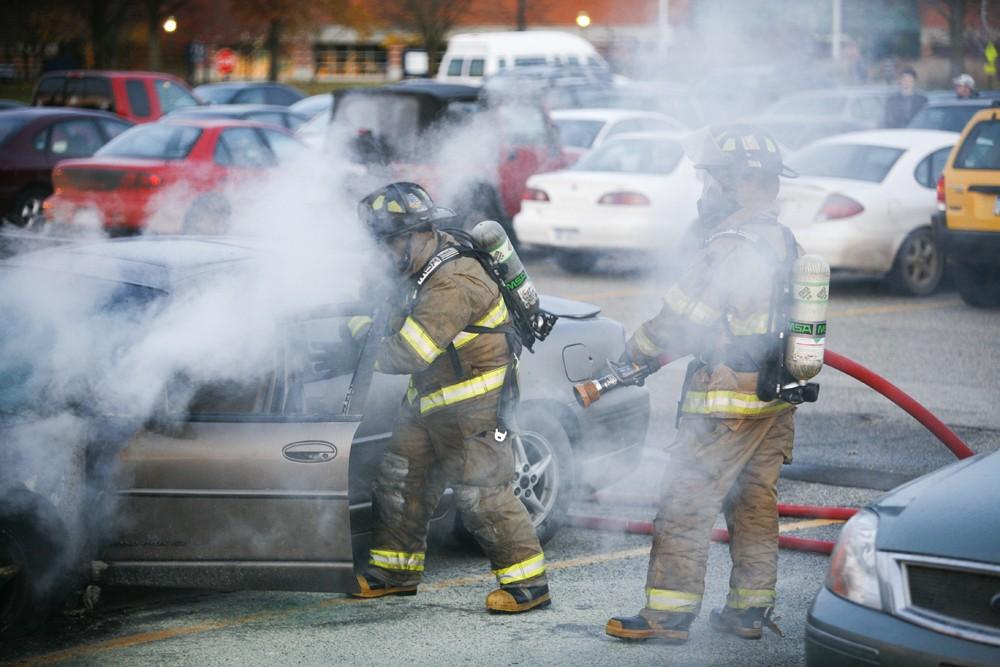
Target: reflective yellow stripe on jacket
(463, 391)
(733, 403)
(693, 309)
(526, 569)
(665, 600)
(492, 319)
(419, 340)
(396, 560)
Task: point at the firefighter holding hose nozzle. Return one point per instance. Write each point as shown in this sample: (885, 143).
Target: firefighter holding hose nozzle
(741, 308)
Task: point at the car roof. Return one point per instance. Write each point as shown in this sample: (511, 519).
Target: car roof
(227, 109)
(242, 84)
(844, 90)
(442, 91)
(208, 123)
(901, 138)
(33, 113)
(110, 73)
(956, 102)
(650, 136)
(156, 262)
(606, 114)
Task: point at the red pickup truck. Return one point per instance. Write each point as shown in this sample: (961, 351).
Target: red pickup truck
(141, 97)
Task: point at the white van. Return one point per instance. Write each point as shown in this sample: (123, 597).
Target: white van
(472, 56)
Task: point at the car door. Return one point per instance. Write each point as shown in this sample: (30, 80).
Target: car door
(252, 488)
(244, 153)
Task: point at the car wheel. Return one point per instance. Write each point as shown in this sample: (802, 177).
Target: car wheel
(919, 265)
(26, 589)
(544, 467)
(577, 261)
(27, 212)
(209, 215)
(978, 285)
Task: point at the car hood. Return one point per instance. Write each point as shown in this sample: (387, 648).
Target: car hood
(950, 513)
(576, 310)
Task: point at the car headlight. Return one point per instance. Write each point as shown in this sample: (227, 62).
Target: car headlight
(853, 574)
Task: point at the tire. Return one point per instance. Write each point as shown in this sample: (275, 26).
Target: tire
(209, 214)
(978, 285)
(919, 265)
(27, 212)
(546, 493)
(577, 261)
(27, 590)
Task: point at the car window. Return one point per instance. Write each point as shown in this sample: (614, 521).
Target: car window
(868, 107)
(526, 61)
(524, 126)
(251, 96)
(628, 125)
(950, 119)
(324, 386)
(10, 126)
(161, 141)
(578, 133)
(637, 156)
(476, 67)
(74, 92)
(172, 96)
(981, 148)
(74, 138)
(501, 63)
(138, 98)
(390, 121)
(930, 168)
(279, 96)
(854, 162)
(285, 148)
(50, 91)
(215, 94)
(573, 60)
(455, 67)
(243, 147)
(112, 128)
(97, 94)
(232, 398)
(40, 140)
(272, 117)
(294, 120)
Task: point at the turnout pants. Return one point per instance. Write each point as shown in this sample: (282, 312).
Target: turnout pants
(453, 447)
(727, 464)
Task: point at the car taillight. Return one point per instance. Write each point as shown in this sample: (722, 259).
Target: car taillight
(940, 193)
(140, 179)
(58, 180)
(837, 207)
(624, 199)
(533, 194)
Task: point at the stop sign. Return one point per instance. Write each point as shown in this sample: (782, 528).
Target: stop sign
(225, 61)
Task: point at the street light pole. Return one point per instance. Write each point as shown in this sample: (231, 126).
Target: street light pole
(837, 29)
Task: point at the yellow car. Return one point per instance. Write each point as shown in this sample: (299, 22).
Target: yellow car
(967, 224)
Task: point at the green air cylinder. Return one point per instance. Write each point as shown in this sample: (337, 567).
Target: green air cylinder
(490, 236)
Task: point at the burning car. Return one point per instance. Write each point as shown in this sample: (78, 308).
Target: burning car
(244, 467)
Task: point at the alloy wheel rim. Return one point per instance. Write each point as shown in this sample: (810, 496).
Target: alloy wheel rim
(921, 261)
(536, 482)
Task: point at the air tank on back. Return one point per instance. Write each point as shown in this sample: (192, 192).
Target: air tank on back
(490, 236)
(807, 318)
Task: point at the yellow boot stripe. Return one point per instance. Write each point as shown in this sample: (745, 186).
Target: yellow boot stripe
(744, 598)
(396, 560)
(666, 600)
(526, 569)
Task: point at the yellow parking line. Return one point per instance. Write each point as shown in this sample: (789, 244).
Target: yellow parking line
(141, 638)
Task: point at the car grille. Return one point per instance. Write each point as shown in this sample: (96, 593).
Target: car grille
(953, 597)
(966, 596)
(92, 179)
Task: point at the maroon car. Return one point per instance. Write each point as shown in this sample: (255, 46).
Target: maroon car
(32, 140)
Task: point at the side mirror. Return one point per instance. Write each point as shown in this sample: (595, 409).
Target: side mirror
(578, 363)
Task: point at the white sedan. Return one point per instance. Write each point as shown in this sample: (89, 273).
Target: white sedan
(636, 194)
(864, 202)
(583, 129)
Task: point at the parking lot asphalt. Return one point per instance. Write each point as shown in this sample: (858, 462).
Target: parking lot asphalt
(935, 348)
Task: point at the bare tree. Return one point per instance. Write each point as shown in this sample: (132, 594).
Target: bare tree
(954, 11)
(431, 19)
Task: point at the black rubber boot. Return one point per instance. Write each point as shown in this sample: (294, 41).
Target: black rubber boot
(370, 587)
(745, 623)
(671, 628)
(517, 600)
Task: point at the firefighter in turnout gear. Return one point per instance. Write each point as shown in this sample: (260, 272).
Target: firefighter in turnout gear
(730, 443)
(452, 429)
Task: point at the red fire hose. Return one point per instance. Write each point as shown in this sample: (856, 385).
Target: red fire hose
(844, 365)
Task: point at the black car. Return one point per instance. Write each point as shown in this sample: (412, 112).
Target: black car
(33, 140)
(249, 92)
(949, 113)
(262, 113)
(915, 578)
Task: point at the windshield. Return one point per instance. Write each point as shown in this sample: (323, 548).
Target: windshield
(810, 105)
(157, 140)
(9, 126)
(855, 162)
(578, 133)
(635, 156)
(950, 119)
(173, 96)
(981, 148)
(391, 121)
(216, 94)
